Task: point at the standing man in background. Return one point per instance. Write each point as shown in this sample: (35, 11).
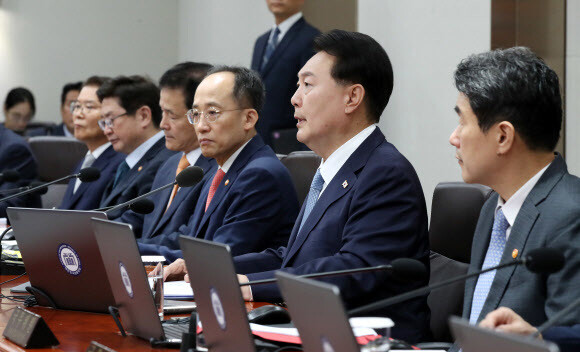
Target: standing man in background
(278, 56)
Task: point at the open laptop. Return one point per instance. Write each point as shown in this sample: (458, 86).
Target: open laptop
(128, 279)
(61, 257)
(219, 300)
(318, 313)
(475, 339)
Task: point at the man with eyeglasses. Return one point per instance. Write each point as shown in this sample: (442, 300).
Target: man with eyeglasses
(249, 202)
(174, 206)
(86, 112)
(130, 120)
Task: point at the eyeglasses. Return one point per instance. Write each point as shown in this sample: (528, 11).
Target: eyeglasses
(77, 107)
(109, 122)
(210, 114)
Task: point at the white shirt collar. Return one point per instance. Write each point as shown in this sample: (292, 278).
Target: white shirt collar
(226, 166)
(193, 155)
(329, 167)
(285, 26)
(100, 150)
(512, 207)
(133, 158)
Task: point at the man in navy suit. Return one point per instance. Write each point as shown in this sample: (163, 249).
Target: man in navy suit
(510, 116)
(249, 202)
(131, 117)
(86, 114)
(278, 56)
(15, 154)
(174, 206)
(366, 205)
(68, 96)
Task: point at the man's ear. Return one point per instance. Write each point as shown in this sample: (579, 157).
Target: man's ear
(505, 135)
(144, 116)
(250, 119)
(353, 98)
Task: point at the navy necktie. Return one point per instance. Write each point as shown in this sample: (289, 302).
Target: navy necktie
(272, 43)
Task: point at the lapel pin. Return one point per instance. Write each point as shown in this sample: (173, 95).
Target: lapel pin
(344, 184)
(140, 168)
(227, 182)
(515, 253)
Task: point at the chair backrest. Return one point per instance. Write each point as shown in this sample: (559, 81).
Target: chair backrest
(56, 156)
(302, 166)
(53, 197)
(454, 214)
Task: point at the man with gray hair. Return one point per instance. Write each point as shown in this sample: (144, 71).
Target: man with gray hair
(510, 113)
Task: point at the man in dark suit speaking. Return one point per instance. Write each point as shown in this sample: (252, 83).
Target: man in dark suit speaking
(510, 113)
(278, 56)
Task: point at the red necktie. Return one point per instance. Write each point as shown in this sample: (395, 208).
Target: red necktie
(183, 163)
(217, 179)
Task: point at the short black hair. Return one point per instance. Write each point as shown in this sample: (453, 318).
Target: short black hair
(359, 59)
(69, 87)
(19, 95)
(133, 92)
(185, 76)
(95, 81)
(514, 85)
(248, 88)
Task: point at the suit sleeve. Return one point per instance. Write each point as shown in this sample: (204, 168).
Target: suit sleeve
(567, 337)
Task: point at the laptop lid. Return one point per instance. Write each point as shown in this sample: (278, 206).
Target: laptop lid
(62, 257)
(475, 339)
(220, 305)
(318, 313)
(128, 279)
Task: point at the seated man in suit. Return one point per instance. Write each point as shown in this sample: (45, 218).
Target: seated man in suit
(101, 155)
(130, 119)
(366, 204)
(173, 207)
(249, 202)
(68, 96)
(510, 113)
(15, 154)
(278, 56)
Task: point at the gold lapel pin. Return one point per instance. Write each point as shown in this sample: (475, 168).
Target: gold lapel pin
(227, 182)
(515, 253)
(344, 184)
(140, 168)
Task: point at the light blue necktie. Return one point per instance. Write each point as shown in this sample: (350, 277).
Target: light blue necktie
(272, 43)
(315, 188)
(492, 258)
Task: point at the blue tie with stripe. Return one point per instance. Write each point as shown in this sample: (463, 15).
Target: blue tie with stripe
(272, 43)
(315, 189)
(492, 258)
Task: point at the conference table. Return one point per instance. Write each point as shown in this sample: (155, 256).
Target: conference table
(75, 330)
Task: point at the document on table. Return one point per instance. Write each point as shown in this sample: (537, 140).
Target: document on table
(177, 290)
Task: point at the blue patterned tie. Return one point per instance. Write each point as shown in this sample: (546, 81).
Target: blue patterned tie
(315, 188)
(121, 172)
(492, 258)
(272, 43)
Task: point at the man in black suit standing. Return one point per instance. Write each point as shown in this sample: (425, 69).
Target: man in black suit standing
(278, 56)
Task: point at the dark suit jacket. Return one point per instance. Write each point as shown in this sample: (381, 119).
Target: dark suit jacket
(254, 207)
(281, 74)
(138, 180)
(88, 195)
(160, 221)
(15, 154)
(373, 211)
(54, 130)
(567, 337)
(549, 217)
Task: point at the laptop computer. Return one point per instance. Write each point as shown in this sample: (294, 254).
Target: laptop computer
(61, 257)
(219, 300)
(475, 339)
(128, 279)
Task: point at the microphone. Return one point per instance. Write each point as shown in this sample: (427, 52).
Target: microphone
(539, 260)
(406, 269)
(88, 174)
(9, 176)
(143, 206)
(190, 176)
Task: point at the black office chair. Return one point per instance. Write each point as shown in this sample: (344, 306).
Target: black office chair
(56, 156)
(454, 214)
(302, 166)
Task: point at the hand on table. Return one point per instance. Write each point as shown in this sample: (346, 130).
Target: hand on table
(506, 320)
(246, 291)
(174, 271)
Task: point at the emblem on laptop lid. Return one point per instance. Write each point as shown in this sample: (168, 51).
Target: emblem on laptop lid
(69, 259)
(126, 280)
(218, 309)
